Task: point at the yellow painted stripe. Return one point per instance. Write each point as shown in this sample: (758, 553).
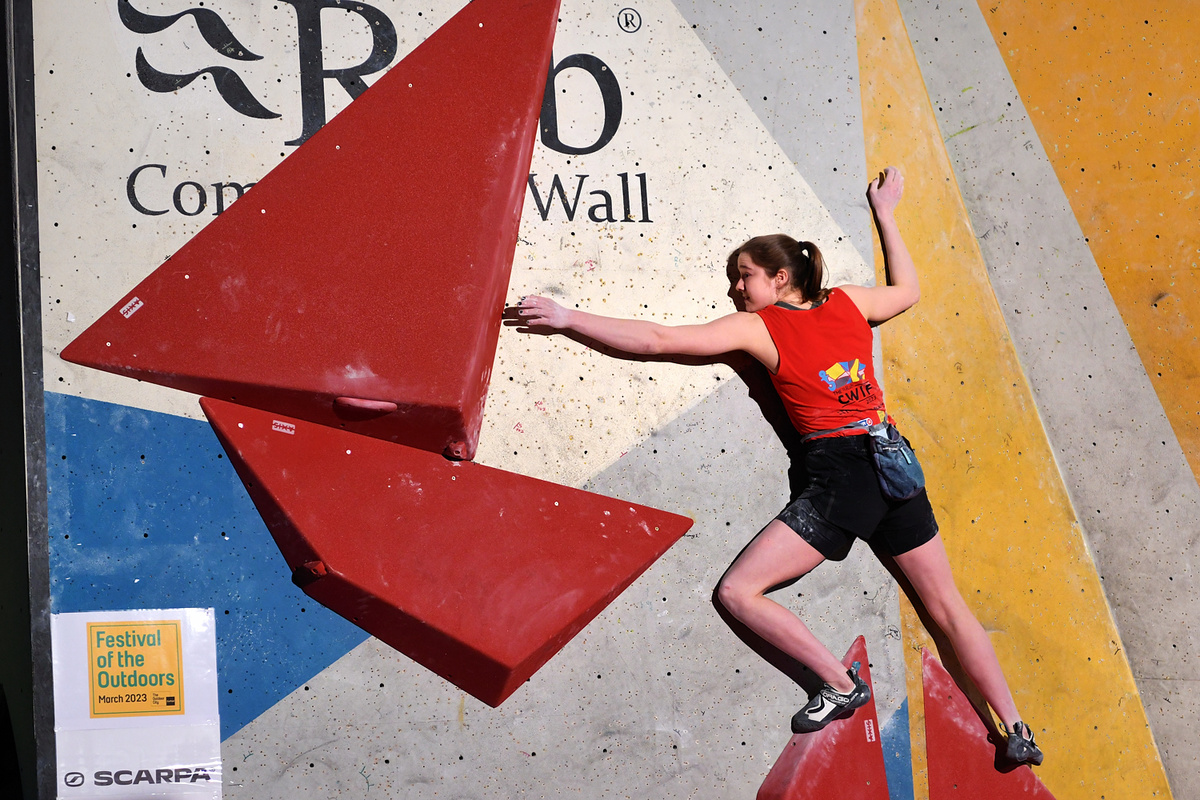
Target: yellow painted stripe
(1114, 94)
(955, 385)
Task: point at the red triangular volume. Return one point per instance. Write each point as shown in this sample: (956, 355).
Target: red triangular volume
(372, 264)
(842, 761)
(479, 574)
(961, 760)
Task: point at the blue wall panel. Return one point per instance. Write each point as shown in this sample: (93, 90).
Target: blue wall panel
(146, 512)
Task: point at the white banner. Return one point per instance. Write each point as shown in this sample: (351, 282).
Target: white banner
(135, 703)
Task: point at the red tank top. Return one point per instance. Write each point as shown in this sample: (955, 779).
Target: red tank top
(826, 378)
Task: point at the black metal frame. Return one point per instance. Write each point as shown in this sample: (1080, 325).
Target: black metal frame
(26, 682)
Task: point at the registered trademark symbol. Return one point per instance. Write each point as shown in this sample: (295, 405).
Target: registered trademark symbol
(629, 20)
(73, 779)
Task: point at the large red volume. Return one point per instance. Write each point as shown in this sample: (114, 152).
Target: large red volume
(842, 761)
(961, 759)
(479, 574)
(361, 282)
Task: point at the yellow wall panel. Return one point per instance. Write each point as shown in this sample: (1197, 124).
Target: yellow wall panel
(959, 393)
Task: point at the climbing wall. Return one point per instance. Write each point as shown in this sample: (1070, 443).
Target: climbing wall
(1043, 378)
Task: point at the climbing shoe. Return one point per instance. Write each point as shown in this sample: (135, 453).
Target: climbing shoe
(1021, 749)
(829, 704)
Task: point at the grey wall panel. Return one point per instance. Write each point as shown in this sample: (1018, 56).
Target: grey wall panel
(796, 63)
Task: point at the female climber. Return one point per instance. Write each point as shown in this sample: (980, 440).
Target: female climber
(816, 345)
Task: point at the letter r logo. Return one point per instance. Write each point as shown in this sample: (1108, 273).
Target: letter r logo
(312, 65)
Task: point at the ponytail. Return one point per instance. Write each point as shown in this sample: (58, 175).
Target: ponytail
(808, 280)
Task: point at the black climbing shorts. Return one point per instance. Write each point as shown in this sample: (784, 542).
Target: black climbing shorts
(841, 501)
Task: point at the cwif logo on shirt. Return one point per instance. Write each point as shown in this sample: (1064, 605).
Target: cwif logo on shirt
(843, 373)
